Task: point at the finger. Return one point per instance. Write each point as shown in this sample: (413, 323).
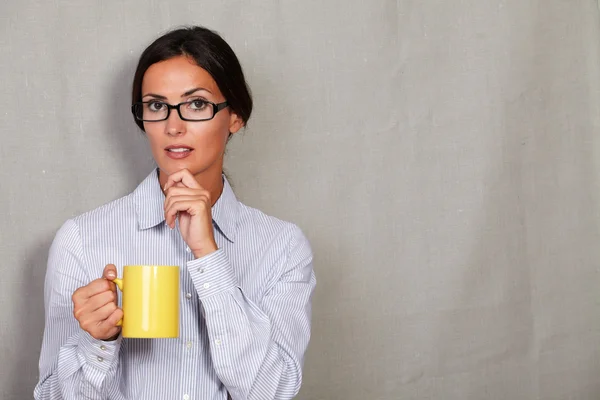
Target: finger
(110, 272)
(100, 300)
(176, 192)
(111, 334)
(183, 190)
(182, 177)
(104, 312)
(174, 210)
(111, 320)
(93, 288)
(193, 208)
(171, 214)
(185, 177)
(171, 217)
(113, 287)
(106, 330)
(91, 320)
(193, 198)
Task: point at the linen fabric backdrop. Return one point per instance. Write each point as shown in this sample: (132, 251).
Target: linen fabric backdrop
(441, 156)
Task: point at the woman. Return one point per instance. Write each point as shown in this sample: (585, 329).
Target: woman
(246, 278)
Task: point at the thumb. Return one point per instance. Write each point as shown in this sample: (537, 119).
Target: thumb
(110, 272)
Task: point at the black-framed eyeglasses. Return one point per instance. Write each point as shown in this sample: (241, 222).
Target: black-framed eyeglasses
(193, 110)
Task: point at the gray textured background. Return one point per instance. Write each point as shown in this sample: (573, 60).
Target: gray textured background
(442, 156)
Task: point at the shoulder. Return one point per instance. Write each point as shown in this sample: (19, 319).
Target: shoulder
(109, 211)
(96, 220)
(119, 211)
(286, 235)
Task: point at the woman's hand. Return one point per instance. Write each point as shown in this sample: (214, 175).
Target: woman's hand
(186, 199)
(95, 306)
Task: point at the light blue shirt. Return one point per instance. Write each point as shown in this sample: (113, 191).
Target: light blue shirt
(245, 309)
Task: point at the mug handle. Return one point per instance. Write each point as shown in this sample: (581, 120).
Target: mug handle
(119, 283)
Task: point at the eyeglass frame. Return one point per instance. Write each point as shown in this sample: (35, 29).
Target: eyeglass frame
(216, 108)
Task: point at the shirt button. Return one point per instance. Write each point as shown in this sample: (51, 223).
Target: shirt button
(206, 285)
(201, 270)
(218, 342)
(188, 249)
(100, 359)
(188, 296)
(186, 397)
(189, 345)
(103, 348)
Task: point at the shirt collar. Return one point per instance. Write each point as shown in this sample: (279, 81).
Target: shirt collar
(149, 201)
(225, 211)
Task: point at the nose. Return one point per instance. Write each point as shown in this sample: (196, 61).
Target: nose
(175, 125)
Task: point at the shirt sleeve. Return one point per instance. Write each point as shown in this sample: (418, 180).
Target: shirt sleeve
(73, 365)
(258, 349)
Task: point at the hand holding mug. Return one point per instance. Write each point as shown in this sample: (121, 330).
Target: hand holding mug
(95, 306)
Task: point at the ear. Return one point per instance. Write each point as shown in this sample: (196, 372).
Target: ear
(235, 123)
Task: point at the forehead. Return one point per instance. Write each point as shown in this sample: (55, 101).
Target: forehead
(175, 76)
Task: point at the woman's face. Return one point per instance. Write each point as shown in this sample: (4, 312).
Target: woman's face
(176, 144)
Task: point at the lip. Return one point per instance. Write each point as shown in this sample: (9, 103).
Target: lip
(178, 156)
(178, 146)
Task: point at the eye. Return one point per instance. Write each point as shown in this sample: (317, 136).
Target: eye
(156, 106)
(198, 105)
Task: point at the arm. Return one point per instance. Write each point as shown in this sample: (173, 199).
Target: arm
(73, 365)
(258, 349)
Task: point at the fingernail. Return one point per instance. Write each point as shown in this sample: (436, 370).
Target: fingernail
(110, 274)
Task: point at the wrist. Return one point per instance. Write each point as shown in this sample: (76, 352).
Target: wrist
(205, 250)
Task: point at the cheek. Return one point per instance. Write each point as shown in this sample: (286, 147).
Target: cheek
(154, 134)
(214, 131)
(153, 128)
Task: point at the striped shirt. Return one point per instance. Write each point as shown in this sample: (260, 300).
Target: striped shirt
(245, 309)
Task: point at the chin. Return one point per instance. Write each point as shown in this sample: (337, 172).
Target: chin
(171, 166)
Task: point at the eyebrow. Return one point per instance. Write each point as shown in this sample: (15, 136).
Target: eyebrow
(195, 90)
(189, 92)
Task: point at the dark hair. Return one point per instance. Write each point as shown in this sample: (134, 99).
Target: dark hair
(211, 53)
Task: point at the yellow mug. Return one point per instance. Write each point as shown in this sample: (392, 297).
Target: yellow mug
(150, 301)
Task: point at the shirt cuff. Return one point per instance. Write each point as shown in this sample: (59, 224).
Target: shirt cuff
(99, 354)
(212, 274)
